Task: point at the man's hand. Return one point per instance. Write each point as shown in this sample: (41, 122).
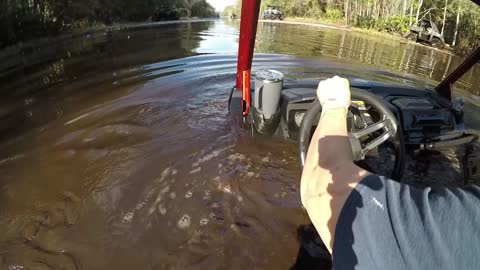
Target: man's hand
(334, 93)
(329, 174)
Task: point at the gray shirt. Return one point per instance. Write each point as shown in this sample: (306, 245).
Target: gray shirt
(388, 225)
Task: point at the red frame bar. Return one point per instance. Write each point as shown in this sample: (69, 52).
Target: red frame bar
(246, 99)
(246, 45)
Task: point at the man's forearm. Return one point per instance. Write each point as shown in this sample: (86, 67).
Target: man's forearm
(329, 173)
(329, 150)
(333, 144)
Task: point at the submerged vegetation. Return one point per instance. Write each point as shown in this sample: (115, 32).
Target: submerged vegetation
(458, 20)
(21, 20)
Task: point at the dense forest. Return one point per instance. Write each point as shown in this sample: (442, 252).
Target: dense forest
(458, 20)
(21, 20)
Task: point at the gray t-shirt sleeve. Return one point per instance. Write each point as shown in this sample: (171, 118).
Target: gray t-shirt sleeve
(388, 225)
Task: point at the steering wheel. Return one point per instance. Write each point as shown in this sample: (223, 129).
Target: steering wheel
(387, 124)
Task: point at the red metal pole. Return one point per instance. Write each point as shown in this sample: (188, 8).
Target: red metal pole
(248, 31)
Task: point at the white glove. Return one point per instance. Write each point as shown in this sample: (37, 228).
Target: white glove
(334, 93)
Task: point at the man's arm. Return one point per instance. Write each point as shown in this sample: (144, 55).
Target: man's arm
(385, 224)
(329, 174)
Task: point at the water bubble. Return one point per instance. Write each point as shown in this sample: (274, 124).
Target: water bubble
(142, 111)
(173, 195)
(174, 171)
(226, 188)
(207, 194)
(140, 205)
(29, 101)
(163, 175)
(236, 156)
(165, 189)
(184, 222)
(209, 156)
(165, 172)
(162, 210)
(189, 194)
(203, 221)
(127, 218)
(196, 170)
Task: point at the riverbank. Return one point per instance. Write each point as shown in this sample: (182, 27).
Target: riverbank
(303, 21)
(341, 25)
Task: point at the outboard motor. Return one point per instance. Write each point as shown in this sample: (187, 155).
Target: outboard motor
(266, 101)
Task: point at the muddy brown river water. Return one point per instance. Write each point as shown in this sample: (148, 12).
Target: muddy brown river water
(116, 150)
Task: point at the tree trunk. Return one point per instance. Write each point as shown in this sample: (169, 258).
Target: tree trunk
(456, 27)
(411, 13)
(346, 4)
(374, 8)
(404, 8)
(356, 10)
(444, 15)
(420, 3)
(188, 4)
(330, 3)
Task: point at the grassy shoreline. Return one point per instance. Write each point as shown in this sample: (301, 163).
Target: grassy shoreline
(342, 25)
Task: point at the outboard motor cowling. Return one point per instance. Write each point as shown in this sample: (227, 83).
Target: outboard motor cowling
(266, 101)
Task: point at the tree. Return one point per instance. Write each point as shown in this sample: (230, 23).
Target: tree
(411, 13)
(420, 3)
(346, 6)
(444, 16)
(188, 5)
(454, 42)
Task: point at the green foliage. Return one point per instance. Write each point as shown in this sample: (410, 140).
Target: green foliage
(229, 10)
(395, 24)
(202, 9)
(366, 22)
(333, 14)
